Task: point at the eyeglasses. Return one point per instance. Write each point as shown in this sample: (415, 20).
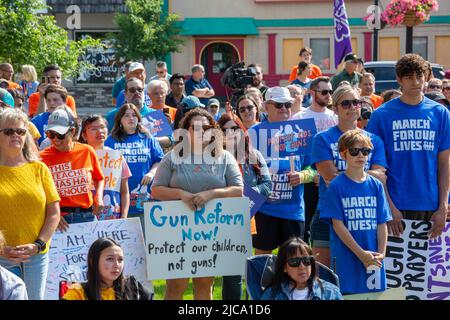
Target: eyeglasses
(134, 89)
(305, 260)
(325, 92)
(434, 86)
(279, 105)
(248, 108)
(11, 131)
(213, 106)
(235, 128)
(346, 104)
(51, 135)
(204, 127)
(445, 88)
(160, 72)
(355, 151)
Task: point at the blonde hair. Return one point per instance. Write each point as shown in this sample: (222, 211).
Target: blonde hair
(29, 73)
(353, 137)
(2, 242)
(340, 92)
(29, 150)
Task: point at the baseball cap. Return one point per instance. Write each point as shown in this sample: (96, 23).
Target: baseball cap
(350, 57)
(192, 102)
(6, 97)
(4, 81)
(135, 66)
(279, 94)
(60, 121)
(438, 97)
(213, 102)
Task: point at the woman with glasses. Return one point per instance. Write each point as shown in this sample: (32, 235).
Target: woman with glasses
(141, 151)
(356, 204)
(255, 173)
(75, 168)
(247, 110)
(297, 275)
(194, 176)
(304, 69)
(329, 163)
(29, 204)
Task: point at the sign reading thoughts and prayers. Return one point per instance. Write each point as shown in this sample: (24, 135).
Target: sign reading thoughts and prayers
(212, 241)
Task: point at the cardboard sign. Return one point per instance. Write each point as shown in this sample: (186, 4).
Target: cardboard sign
(156, 122)
(419, 264)
(68, 252)
(212, 241)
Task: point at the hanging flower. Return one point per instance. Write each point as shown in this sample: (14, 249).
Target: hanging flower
(397, 10)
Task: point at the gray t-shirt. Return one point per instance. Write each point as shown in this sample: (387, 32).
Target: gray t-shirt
(222, 172)
(11, 286)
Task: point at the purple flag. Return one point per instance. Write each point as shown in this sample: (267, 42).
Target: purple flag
(342, 38)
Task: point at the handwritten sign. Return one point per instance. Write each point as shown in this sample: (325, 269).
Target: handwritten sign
(68, 252)
(286, 138)
(256, 199)
(419, 264)
(212, 241)
(156, 122)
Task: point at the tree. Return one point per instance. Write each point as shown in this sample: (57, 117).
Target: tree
(145, 34)
(31, 38)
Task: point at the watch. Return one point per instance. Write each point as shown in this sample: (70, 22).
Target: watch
(41, 245)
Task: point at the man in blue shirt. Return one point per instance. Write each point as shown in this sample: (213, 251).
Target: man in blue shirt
(135, 70)
(198, 86)
(416, 135)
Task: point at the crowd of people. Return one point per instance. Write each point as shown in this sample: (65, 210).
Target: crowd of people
(345, 197)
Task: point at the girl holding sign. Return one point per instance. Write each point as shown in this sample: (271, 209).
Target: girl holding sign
(193, 178)
(94, 132)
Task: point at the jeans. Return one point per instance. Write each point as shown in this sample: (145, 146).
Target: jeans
(33, 273)
(78, 217)
(232, 287)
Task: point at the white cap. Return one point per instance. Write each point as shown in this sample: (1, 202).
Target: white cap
(279, 94)
(60, 121)
(136, 66)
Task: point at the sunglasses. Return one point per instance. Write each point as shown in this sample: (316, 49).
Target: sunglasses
(204, 127)
(235, 128)
(134, 89)
(305, 260)
(432, 86)
(279, 105)
(11, 131)
(445, 88)
(248, 108)
(52, 135)
(346, 104)
(325, 92)
(355, 151)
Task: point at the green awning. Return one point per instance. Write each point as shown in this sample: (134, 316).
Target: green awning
(218, 26)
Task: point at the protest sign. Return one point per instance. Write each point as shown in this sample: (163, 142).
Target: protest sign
(68, 252)
(256, 199)
(284, 139)
(111, 164)
(419, 264)
(389, 294)
(212, 241)
(156, 122)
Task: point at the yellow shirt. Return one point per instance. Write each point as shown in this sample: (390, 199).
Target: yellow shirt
(33, 131)
(76, 292)
(24, 193)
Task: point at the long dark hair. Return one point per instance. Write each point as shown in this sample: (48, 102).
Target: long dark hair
(87, 120)
(249, 153)
(289, 249)
(255, 104)
(117, 131)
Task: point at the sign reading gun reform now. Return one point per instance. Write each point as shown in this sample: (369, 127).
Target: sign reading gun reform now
(211, 241)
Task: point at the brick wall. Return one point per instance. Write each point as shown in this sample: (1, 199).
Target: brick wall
(91, 96)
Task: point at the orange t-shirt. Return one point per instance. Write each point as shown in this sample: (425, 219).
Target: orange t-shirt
(33, 103)
(13, 85)
(172, 111)
(315, 72)
(376, 100)
(73, 173)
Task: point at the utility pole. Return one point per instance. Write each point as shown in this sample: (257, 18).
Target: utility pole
(375, 33)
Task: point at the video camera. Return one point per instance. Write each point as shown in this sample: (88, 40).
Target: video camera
(238, 77)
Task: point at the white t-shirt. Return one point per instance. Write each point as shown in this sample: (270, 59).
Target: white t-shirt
(300, 294)
(323, 120)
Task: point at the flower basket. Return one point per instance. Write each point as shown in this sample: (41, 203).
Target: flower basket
(409, 13)
(411, 20)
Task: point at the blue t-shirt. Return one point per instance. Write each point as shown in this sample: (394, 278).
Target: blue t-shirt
(284, 201)
(413, 137)
(307, 99)
(361, 207)
(192, 85)
(41, 121)
(141, 153)
(325, 147)
(120, 100)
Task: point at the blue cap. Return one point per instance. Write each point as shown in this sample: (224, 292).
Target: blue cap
(6, 97)
(192, 102)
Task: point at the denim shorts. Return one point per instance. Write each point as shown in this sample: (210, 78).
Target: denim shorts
(78, 217)
(320, 232)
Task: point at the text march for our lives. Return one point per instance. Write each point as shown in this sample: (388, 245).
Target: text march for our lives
(212, 241)
(68, 252)
(419, 264)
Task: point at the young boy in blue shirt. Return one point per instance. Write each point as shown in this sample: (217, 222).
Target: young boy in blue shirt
(357, 205)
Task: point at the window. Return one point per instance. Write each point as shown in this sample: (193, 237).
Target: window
(442, 56)
(321, 53)
(291, 48)
(420, 46)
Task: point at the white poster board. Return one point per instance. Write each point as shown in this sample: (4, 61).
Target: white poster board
(68, 252)
(213, 241)
(419, 264)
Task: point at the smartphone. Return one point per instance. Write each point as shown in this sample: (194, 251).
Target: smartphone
(44, 79)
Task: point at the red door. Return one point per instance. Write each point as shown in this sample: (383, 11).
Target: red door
(216, 58)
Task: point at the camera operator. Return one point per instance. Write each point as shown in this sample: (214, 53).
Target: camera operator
(366, 112)
(258, 78)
